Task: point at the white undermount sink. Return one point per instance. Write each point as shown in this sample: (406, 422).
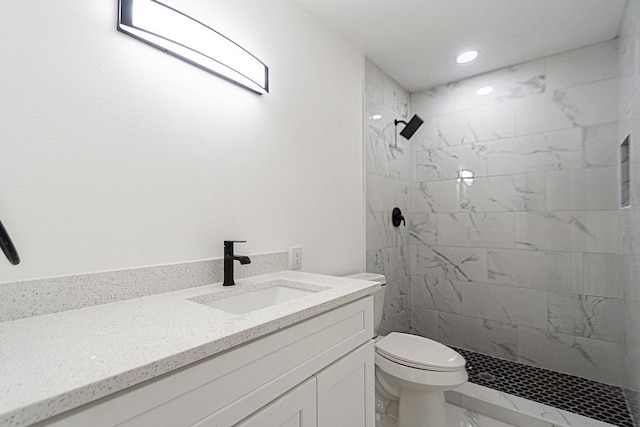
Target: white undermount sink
(274, 293)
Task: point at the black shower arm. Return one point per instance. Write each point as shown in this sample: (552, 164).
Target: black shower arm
(396, 122)
(7, 246)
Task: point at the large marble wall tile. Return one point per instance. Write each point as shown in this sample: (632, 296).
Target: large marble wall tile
(583, 189)
(631, 360)
(476, 125)
(436, 196)
(446, 163)
(383, 154)
(628, 102)
(582, 66)
(376, 157)
(536, 153)
(372, 192)
(383, 89)
(395, 313)
(466, 264)
(630, 23)
(631, 288)
(437, 101)
(630, 230)
(634, 161)
(380, 232)
(484, 336)
(594, 359)
(421, 229)
(601, 145)
(392, 193)
(504, 193)
(604, 275)
(509, 83)
(632, 326)
(424, 322)
(629, 52)
(540, 113)
(579, 231)
(394, 264)
(492, 230)
(374, 263)
(589, 104)
(586, 316)
(536, 270)
(514, 306)
(427, 136)
(436, 293)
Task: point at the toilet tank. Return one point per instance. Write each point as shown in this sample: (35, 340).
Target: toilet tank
(378, 296)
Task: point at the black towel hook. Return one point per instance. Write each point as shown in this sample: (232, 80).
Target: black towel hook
(7, 246)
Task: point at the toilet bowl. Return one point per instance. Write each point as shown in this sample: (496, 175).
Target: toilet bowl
(413, 370)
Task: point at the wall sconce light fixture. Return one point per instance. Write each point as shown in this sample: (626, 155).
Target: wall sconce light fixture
(174, 32)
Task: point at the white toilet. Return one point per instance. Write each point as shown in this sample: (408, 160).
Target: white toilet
(414, 370)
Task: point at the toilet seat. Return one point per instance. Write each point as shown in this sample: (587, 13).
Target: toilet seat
(419, 353)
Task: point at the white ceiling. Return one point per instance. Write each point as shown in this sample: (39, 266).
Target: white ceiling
(416, 41)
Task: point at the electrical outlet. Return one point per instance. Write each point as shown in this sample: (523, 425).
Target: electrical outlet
(295, 258)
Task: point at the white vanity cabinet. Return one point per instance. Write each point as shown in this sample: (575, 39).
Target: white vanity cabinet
(317, 372)
(297, 408)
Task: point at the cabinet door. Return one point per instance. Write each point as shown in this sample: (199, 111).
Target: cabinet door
(296, 408)
(346, 390)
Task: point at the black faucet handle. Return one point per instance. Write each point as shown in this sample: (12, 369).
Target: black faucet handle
(228, 246)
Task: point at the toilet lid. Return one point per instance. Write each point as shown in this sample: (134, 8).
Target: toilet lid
(419, 352)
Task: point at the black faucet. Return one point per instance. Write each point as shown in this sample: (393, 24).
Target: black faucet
(229, 257)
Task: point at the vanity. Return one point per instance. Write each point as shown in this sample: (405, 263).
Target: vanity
(281, 349)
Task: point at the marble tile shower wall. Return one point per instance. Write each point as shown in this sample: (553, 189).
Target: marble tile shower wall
(522, 261)
(387, 185)
(629, 123)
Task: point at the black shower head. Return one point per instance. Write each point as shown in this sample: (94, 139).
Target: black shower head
(411, 127)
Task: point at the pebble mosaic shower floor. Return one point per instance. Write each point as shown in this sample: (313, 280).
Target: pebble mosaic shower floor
(581, 396)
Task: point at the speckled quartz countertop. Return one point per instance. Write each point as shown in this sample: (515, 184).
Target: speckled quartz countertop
(52, 363)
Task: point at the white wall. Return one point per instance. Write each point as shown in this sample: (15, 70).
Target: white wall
(114, 154)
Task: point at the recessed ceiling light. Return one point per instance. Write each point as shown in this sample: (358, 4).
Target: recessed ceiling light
(484, 90)
(466, 57)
